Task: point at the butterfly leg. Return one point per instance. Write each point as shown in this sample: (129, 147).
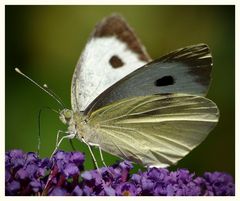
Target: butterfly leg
(70, 140)
(58, 134)
(100, 151)
(90, 149)
(69, 136)
(101, 155)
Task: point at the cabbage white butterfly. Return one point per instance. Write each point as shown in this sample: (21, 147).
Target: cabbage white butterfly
(150, 112)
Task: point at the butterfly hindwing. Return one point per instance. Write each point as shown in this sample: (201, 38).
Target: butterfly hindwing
(186, 70)
(153, 130)
(112, 52)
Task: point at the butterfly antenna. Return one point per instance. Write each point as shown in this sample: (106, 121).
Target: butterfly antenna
(54, 94)
(48, 92)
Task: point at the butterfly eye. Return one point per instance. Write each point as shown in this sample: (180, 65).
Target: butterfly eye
(164, 81)
(68, 114)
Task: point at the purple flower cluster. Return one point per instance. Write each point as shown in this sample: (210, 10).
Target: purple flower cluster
(26, 174)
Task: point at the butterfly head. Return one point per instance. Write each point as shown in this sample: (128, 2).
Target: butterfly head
(66, 116)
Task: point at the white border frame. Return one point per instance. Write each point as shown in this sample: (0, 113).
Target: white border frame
(115, 2)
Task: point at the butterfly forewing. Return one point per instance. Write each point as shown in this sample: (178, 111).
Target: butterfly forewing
(154, 130)
(186, 70)
(112, 52)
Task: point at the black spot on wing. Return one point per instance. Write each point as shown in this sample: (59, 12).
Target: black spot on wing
(164, 81)
(116, 62)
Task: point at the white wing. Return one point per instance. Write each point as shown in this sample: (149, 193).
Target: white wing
(153, 130)
(112, 52)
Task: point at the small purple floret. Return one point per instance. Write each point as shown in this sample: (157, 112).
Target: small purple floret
(126, 189)
(70, 170)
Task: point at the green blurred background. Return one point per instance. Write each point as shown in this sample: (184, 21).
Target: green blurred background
(46, 41)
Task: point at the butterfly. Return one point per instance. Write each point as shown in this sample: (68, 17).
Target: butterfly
(151, 112)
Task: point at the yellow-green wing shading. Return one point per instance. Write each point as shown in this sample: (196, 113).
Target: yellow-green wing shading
(155, 130)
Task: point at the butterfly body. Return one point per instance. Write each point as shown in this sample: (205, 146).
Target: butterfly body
(78, 125)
